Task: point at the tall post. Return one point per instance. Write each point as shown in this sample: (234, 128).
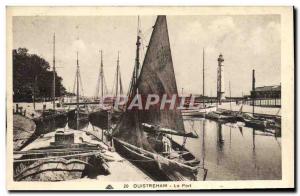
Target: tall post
(117, 78)
(77, 92)
(230, 95)
(101, 75)
(53, 82)
(253, 90)
(203, 88)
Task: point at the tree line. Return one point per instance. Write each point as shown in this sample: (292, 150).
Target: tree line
(32, 77)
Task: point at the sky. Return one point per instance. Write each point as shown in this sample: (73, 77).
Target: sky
(246, 41)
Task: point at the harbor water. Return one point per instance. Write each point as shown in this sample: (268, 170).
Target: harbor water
(229, 151)
(234, 152)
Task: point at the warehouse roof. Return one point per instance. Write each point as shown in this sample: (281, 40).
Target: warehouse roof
(269, 88)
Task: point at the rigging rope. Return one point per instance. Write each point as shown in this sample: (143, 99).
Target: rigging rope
(121, 85)
(98, 84)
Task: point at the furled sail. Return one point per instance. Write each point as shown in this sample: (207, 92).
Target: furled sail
(156, 77)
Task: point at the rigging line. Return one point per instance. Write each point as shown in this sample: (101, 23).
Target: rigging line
(74, 83)
(82, 92)
(132, 84)
(80, 85)
(99, 77)
(121, 86)
(114, 83)
(105, 86)
(75, 80)
(98, 85)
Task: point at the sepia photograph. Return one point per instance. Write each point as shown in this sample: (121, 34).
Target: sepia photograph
(150, 98)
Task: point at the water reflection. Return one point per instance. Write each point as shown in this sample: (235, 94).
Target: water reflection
(203, 144)
(234, 152)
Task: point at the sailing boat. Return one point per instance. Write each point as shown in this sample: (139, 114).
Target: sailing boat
(78, 118)
(203, 110)
(106, 112)
(52, 117)
(140, 134)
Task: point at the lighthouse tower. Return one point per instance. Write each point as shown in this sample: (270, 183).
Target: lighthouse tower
(220, 79)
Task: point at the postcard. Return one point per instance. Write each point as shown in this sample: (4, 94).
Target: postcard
(150, 98)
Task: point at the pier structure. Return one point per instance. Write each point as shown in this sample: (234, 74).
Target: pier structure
(220, 79)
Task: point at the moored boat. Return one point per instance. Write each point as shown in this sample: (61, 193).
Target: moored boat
(106, 114)
(143, 135)
(102, 118)
(221, 117)
(255, 123)
(78, 118)
(63, 156)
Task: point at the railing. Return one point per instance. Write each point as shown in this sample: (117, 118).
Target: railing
(264, 102)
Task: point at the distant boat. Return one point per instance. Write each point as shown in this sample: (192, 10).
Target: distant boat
(106, 111)
(58, 117)
(201, 112)
(78, 118)
(256, 123)
(140, 134)
(102, 117)
(221, 117)
(198, 112)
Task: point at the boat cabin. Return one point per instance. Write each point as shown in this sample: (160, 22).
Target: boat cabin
(63, 138)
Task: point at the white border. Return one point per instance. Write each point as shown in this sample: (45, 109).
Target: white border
(88, 2)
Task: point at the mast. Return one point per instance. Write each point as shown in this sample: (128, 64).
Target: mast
(253, 90)
(137, 57)
(117, 81)
(101, 75)
(230, 95)
(53, 82)
(77, 93)
(203, 88)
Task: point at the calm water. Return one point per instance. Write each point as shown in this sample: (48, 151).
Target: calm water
(230, 152)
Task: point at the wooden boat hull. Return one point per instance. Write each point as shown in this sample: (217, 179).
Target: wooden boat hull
(72, 114)
(100, 118)
(82, 123)
(53, 170)
(49, 123)
(24, 131)
(59, 164)
(60, 118)
(256, 124)
(193, 113)
(83, 120)
(158, 167)
(221, 118)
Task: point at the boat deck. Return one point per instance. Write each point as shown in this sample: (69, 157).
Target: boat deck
(120, 169)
